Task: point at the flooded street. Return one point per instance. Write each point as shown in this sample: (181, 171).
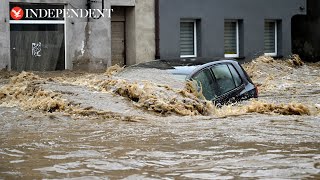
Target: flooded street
(254, 146)
(88, 126)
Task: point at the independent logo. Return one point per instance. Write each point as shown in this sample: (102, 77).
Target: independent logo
(16, 13)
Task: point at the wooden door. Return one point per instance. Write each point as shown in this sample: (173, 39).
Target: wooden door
(118, 43)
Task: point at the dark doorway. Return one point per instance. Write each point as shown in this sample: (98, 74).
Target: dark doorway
(118, 42)
(305, 33)
(37, 47)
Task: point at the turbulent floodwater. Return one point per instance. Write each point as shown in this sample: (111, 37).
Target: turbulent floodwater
(98, 126)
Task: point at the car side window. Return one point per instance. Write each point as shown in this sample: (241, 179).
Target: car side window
(236, 76)
(224, 78)
(206, 82)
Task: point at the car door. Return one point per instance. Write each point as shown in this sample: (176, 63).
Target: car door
(206, 84)
(228, 81)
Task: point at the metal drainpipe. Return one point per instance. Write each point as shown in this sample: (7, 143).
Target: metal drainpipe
(87, 29)
(102, 7)
(88, 8)
(157, 28)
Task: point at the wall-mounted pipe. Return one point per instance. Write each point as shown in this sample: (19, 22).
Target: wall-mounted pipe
(88, 7)
(102, 7)
(157, 29)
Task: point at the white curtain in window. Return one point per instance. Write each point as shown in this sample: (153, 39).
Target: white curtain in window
(187, 38)
(230, 37)
(270, 37)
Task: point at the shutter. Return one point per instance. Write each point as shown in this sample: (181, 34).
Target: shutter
(118, 49)
(118, 43)
(230, 37)
(269, 37)
(187, 38)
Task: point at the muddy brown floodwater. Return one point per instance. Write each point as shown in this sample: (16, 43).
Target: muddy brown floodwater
(73, 125)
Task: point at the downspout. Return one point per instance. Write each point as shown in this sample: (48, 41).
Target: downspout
(88, 7)
(157, 29)
(88, 18)
(102, 9)
(87, 28)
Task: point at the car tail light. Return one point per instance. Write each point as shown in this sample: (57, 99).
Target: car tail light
(257, 91)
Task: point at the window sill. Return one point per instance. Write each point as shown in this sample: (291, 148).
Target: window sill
(231, 55)
(275, 56)
(270, 54)
(188, 56)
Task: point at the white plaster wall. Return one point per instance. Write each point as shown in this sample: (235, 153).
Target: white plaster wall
(145, 30)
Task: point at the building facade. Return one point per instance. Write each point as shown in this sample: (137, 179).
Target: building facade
(142, 30)
(240, 29)
(78, 41)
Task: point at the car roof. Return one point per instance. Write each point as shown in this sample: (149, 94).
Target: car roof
(183, 66)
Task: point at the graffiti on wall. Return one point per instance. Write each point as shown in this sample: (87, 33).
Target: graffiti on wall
(36, 49)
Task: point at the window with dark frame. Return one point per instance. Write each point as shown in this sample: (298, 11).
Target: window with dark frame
(188, 38)
(231, 38)
(270, 38)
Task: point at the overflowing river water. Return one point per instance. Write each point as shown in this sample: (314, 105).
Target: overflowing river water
(117, 125)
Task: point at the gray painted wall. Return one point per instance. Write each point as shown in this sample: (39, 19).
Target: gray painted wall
(211, 15)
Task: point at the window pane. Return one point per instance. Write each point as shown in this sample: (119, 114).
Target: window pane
(230, 37)
(235, 75)
(270, 37)
(204, 80)
(187, 38)
(224, 78)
